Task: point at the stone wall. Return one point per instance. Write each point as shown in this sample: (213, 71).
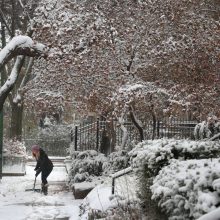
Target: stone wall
(13, 165)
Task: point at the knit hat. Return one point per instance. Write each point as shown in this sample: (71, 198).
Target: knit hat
(35, 148)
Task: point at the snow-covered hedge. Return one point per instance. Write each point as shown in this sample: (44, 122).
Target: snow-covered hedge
(55, 138)
(85, 164)
(116, 161)
(89, 163)
(208, 128)
(186, 189)
(154, 154)
(14, 148)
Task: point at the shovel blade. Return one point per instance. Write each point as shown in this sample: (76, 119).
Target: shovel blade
(34, 190)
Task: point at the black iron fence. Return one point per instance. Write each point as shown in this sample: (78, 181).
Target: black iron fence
(89, 136)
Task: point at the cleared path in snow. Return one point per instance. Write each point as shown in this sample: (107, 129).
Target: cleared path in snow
(59, 204)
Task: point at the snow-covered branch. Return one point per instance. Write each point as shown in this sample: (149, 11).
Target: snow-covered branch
(214, 137)
(8, 85)
(13, 76)
(21, 45)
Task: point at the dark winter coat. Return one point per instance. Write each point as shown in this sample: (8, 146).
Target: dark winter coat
(44, 164)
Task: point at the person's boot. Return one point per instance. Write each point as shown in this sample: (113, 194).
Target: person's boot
(44, 188)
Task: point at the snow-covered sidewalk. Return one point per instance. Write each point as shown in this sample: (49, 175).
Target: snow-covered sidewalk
(16, 204)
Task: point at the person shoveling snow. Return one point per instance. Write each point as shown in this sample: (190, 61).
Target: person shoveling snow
(44, 166)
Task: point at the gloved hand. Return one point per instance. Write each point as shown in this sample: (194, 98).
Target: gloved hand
(37, 172)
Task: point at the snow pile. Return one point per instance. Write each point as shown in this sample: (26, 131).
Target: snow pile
(14, 148)
(86, 164)
(185, 189)
(213, 215)
(101, 204)
(154, 154)
(97, 199)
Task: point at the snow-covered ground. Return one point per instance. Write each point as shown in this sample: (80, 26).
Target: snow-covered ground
(101, 198)
(18, 204)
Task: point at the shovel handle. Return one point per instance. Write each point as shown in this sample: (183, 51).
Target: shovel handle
(34, 182)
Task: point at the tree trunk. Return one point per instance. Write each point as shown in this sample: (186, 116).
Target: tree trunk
(112, 135)
(108, 136)
(124, 129)
(137, 123)
(16, 121)
(154, 124)
(105, 143)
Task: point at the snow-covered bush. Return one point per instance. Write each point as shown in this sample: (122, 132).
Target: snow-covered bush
(127, 211)
(55, 132)
(55, 139)
(14, 148)
(207, 129)
(86, 164)
(153, 155)
(185, 190)
(116, 161)
(90, 163)
(149, 157)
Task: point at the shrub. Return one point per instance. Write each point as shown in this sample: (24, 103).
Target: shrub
(14, 148)
(85, 164)
(184, 189)
(149, 157)
(153, 155)
(116, 161)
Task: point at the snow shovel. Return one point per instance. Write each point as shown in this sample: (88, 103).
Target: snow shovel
(33, 189)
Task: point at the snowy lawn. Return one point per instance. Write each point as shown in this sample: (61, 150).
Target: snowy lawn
(17, 204)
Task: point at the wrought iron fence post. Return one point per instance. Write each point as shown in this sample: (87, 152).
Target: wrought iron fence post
(158, 129)
(71, 135)
(76, 134)
(97, 135)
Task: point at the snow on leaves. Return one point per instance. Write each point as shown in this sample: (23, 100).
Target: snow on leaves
(157, 153)
(99, 46)
(14, 148)
(185, 190)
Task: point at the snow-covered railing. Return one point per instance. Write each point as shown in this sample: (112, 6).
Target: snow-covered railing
(119, 174)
